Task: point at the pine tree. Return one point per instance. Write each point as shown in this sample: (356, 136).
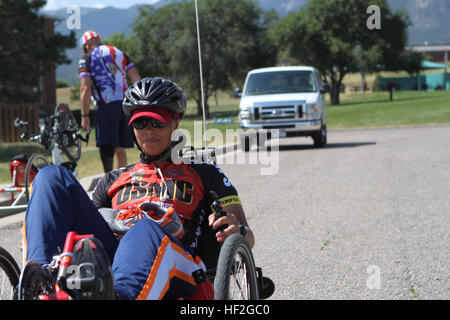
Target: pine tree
(25, 53)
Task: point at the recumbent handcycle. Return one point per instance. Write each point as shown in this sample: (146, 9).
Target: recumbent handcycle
(235, 277)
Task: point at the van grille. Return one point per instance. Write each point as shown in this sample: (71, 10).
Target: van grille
(280, 113)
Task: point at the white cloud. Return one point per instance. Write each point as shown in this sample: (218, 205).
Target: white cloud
(58, 4)
(289, 6)
(99, 5)
(51, 5)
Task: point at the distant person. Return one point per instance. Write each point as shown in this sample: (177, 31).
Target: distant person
(103, 72)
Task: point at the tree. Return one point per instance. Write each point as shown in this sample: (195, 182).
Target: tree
(332, 35)
(233, 39)
(152, 35)
(25, 53)
(126, 44)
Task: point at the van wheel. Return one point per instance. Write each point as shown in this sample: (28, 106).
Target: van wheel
(320, 138)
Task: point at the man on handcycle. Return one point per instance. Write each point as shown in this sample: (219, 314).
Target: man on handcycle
(161, 231)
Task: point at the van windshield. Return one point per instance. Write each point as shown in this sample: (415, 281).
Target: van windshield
(280, 82)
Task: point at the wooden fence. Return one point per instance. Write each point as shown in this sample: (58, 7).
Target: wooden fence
(9, 112)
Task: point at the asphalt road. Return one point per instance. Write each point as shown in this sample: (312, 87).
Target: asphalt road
(367, 217)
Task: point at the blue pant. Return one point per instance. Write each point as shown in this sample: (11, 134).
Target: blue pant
(147, 263)
(111, 126)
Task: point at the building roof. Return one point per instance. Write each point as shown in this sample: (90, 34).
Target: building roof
(430, 48)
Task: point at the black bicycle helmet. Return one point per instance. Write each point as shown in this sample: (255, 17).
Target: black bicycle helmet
(155, 93)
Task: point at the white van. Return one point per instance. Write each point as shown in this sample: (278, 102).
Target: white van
(290, 99)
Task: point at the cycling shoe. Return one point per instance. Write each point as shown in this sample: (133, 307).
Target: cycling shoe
(94, 279)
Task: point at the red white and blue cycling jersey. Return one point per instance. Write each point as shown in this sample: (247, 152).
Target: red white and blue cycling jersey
(107, 66)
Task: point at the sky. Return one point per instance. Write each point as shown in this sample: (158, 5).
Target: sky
(58, 4)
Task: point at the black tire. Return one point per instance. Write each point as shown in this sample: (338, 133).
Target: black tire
(9, 276)
(34, 282)
(68, 140)
(320, 138)
(236, 259)
(36, 162)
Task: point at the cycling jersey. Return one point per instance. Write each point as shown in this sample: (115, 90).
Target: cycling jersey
(107, 66)
(184, 186)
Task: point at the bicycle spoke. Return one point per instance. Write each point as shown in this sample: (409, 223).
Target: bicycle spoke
(239, 279)
(236, 274)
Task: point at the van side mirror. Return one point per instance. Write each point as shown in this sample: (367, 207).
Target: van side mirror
(237, 92)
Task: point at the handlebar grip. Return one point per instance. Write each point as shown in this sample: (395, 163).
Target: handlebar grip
(87, 135)
(222, 227)
(85, 138)
(19, 123)
(24, 127)
(217, 206)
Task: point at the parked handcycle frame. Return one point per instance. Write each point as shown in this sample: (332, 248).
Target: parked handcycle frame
(50, 136)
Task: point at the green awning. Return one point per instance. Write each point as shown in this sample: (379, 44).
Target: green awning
(433, 65)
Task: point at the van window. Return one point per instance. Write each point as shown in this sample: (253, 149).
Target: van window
(280, 82)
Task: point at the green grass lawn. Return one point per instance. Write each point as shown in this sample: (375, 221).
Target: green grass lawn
(369, 110)
(375, 110)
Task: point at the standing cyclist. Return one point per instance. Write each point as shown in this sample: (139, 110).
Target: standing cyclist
(103, 72)
(156, 258)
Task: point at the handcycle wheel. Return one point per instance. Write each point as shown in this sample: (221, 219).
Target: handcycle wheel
(236, 277)
(36, 162)
(34, 282)
(9, 275)
(68, 140)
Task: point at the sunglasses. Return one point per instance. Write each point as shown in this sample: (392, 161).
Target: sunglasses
(141, 123)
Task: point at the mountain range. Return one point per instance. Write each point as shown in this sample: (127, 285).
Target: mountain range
(429, 23)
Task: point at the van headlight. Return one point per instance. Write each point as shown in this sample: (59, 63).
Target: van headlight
(313, 111)
(244, 114)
